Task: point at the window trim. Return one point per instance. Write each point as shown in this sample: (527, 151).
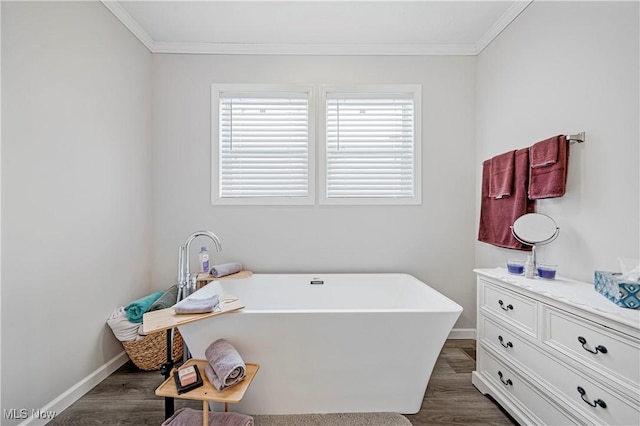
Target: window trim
(416, 91)
(249, 89)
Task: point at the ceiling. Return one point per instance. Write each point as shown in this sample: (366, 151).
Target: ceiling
(313, 27)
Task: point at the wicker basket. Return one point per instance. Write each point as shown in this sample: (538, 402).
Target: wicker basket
(150, 352)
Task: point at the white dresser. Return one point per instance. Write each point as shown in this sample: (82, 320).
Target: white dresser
(556, 352)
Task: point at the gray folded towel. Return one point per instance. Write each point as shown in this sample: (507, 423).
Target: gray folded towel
(225, 366)
(225, 269)
(191, 417)
(167, 300)
(197, 306)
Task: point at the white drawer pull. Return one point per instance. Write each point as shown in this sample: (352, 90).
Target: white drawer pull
(595, 403)
(599, 348)
(508, 307)
(506, 345)
(506, 383)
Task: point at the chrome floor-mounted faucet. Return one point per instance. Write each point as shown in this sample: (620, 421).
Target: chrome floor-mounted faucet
(187, 280)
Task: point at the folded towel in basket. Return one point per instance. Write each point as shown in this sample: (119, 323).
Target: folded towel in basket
(225, 366)
(122, 328)
(225, 269)
(167, 300)
(137, 308)
(191, 417)
(192, 305)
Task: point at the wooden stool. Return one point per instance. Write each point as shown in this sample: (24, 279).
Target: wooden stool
(207, 393)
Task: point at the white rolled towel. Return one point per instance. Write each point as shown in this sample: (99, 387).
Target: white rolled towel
(225, 269)
(122, 328)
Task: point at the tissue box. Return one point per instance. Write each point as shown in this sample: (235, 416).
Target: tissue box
(613, 287)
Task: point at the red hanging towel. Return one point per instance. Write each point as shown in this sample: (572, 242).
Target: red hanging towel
(498, 214)
(501, 180)
(548, 173)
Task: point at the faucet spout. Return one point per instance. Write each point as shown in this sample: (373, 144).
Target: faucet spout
(186, 284)
(209, 234)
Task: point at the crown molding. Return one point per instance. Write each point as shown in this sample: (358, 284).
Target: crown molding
(130, 23)
(198, 48)
(312, 49)
(507, 18)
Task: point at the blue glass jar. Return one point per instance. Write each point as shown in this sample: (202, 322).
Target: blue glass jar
(547, 271)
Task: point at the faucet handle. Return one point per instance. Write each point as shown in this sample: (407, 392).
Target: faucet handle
(193, 280)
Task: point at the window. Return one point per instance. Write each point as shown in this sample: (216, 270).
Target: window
(262, 145)
(370, 154)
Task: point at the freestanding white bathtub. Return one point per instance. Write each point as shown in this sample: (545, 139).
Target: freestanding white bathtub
(356, 343)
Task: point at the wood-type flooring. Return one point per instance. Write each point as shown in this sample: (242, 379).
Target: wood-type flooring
(127, 397)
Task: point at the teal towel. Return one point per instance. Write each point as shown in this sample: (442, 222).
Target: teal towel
(137, 308)
(167, 300)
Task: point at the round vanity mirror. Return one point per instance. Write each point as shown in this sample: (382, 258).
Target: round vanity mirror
(535, 228)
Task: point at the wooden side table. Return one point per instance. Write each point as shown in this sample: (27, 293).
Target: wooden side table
(207, 393)
(166, 319)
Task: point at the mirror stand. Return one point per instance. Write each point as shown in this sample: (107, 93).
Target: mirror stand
(535, 229)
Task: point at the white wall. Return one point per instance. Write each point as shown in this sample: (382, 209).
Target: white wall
(434, 241)
(76, 192)
(564, 67)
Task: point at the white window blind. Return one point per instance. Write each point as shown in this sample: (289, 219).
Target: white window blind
(263, 145)
(370, 146)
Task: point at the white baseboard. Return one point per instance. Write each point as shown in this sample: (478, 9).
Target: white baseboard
(75, 392)
(462, 333)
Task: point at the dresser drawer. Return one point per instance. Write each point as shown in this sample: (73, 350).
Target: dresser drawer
(518, 311)
(522, 394)
(615, 354)
(582, 392)
(508, 343)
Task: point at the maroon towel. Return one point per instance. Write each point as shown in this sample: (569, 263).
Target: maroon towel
(544, 153)
(501, 170)
(498, 214)
(550, 180)
(191, 417)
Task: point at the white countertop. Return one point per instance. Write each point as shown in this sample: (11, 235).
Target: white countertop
(576, 293)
